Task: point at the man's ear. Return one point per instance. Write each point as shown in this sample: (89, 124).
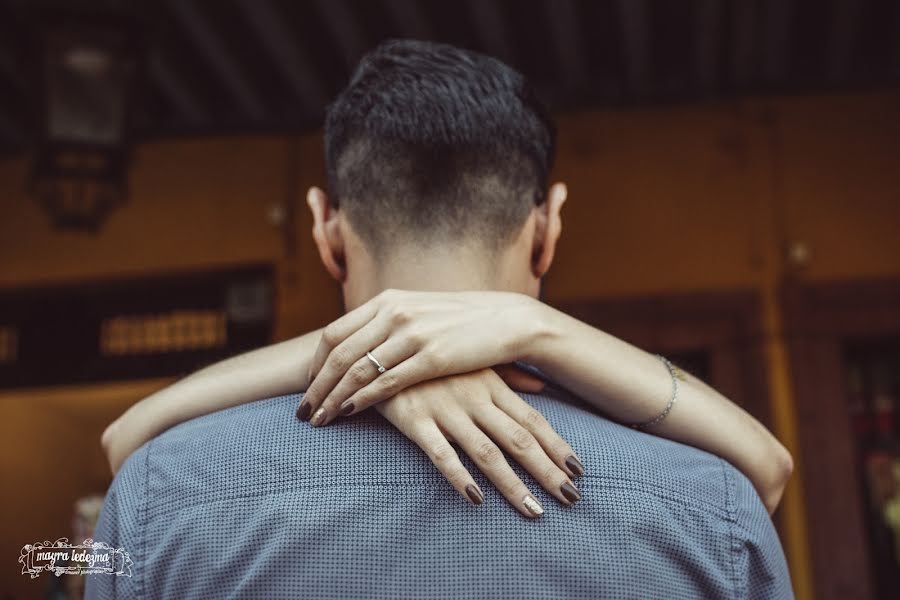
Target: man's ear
(327, 233)
(548, 227)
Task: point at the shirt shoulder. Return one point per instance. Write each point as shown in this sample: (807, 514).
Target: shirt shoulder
(121, 525)
(685, 481)
(646, 501)
(761, 569)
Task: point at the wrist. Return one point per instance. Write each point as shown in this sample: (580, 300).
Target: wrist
(542, 328)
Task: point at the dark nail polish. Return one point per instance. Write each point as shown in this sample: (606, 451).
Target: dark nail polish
(347, 408)
(575, 466)
(475, 495)
(568, 490)
(303, 410)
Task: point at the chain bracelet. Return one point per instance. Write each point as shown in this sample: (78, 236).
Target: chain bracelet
(673, 373)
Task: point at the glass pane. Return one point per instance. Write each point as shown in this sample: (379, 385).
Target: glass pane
(873, 402)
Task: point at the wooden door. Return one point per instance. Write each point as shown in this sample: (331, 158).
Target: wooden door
(844, 343)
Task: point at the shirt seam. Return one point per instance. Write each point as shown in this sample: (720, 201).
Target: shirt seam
(144, 515)
(731, 517)
(631, 485)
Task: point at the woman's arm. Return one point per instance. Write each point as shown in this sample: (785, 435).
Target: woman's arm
(422, 335)
(270, 371)
(632, 386)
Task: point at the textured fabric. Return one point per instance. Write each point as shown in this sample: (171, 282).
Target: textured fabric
(250, 503)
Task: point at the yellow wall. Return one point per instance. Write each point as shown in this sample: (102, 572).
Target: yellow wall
(661, 200)
(51, 457)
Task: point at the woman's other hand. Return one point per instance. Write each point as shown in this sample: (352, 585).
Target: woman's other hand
(480, 414)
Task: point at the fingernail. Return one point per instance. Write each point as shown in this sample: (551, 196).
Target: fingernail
(570, 492)
(575, 466)
(475, 495)
(303, 410)
(533, 506)
(318, 418)
(347, 408)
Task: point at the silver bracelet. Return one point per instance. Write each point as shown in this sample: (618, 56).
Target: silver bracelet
(675, 375)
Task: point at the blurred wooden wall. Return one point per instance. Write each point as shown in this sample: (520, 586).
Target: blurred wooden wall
(661, 200)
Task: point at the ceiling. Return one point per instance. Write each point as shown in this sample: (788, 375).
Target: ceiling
(249, 66)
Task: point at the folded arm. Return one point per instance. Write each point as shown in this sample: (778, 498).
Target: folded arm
(421, 335)
(442, 334)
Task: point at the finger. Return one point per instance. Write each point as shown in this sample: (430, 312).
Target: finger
(427, 436)
(519, 380)
(414, 368)
(489, 458)
(525, 449)
(556, 448)
(339, 330)
(344, 357)
(363, 372)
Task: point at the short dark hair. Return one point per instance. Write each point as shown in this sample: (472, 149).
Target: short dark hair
(429, 142)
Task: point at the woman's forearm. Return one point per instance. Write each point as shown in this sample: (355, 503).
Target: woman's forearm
(270, 371)
(633, 386)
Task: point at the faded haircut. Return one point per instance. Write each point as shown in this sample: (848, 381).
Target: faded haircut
(433, 144)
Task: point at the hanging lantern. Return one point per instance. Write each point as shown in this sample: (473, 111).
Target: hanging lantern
(88, 70)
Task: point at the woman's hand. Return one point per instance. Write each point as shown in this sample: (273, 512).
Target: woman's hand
(416, 336)
(479, 413)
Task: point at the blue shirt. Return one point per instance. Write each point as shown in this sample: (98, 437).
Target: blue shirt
(251, 503)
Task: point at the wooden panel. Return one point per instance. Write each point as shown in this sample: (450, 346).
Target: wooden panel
(836, 536)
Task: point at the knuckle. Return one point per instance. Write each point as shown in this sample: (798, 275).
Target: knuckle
(533, 419)
(551, 475)
(511, 485)
(416, 338)
(340, 358)
(414, 412)
(463, 383)
(488, 452)
(521, 439)
(442, 453)
(330, 335)
(488, 374)
(457, 388)
(389, 383)
(458, 477)
(561, 448)
(431, 361)
(400, 315)
(358, 375)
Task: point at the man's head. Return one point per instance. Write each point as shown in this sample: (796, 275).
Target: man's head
(437, 160)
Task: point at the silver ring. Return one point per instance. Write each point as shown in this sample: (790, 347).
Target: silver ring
(375, 362)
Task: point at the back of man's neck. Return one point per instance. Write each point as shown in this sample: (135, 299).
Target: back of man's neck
(425, 272)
